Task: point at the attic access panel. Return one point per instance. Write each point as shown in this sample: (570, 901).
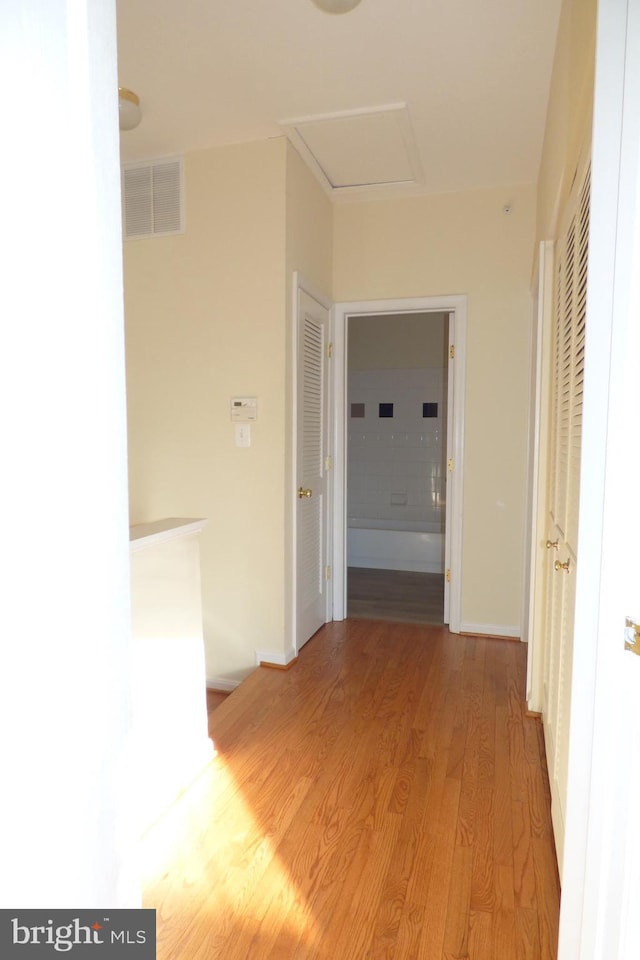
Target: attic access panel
(359, 149)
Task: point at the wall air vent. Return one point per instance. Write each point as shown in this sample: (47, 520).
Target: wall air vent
(152, 198)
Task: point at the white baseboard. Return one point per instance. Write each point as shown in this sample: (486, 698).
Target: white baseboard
(219, 683)
(491, 630)
(277, 657)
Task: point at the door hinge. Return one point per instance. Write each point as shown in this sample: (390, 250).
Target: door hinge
(328, 463)
(448, 576)
(329, 350)
(450, 464)
(327, 573)
(452, 351)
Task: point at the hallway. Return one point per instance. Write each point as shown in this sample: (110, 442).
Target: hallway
(385, 797)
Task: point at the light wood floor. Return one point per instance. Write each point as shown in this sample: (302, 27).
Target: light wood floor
(385, 798)
(399, 595)
(215, 698)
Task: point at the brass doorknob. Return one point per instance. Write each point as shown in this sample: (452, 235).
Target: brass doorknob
(304, 493)
(562, 566)
(552, 545)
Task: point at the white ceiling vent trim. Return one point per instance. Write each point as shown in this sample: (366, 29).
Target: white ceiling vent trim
(359, 150)
(152, 198)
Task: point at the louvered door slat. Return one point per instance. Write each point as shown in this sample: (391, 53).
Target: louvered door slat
(569, 329)
(566, 363)
(311, 539)
(577, 387)
(555, 399)
(310, 535)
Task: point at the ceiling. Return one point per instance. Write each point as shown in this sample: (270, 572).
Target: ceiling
(463, 83)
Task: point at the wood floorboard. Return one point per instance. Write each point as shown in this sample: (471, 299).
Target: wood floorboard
(385, 799)
(401, 596)
(215, 698)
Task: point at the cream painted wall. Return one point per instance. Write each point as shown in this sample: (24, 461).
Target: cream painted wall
(569, 113)
(205, 319)
(401, 342)
(309, 226)
(209, 317)
(465, 244)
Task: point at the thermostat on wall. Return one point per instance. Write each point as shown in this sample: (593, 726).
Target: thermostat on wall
(244, 408)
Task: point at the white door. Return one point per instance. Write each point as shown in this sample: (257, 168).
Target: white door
(312, 572)
(569, 325)
(599, 916)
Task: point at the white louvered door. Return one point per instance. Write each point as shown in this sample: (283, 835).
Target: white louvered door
(564, 491)
(311, 491)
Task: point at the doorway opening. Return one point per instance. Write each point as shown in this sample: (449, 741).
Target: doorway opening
(397, 372)
(399, 394)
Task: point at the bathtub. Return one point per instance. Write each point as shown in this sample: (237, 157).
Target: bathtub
(395, 545)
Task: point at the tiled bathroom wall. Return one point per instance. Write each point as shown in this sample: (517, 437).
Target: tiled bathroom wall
(397, 444)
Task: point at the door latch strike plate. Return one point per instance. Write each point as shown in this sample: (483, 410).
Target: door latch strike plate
(632, 636)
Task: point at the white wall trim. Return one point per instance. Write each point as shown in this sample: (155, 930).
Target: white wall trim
(338, 387)
(222, 684)
(277, 657)
(301, 282)
(457, 306)
(558, 813)
(458, 336)
(533, 612)
(496, 630)
(143, 535)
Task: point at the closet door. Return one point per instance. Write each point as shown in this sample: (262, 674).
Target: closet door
(311, 494)
(564, 487)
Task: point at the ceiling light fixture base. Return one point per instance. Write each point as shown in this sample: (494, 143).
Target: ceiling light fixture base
(336, 6)
(129, 109)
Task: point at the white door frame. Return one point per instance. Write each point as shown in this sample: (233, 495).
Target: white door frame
(533, 594)
(456, 306)
(302, 284)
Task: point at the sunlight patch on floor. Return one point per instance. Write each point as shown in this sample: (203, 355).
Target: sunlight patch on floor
(211, 861)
